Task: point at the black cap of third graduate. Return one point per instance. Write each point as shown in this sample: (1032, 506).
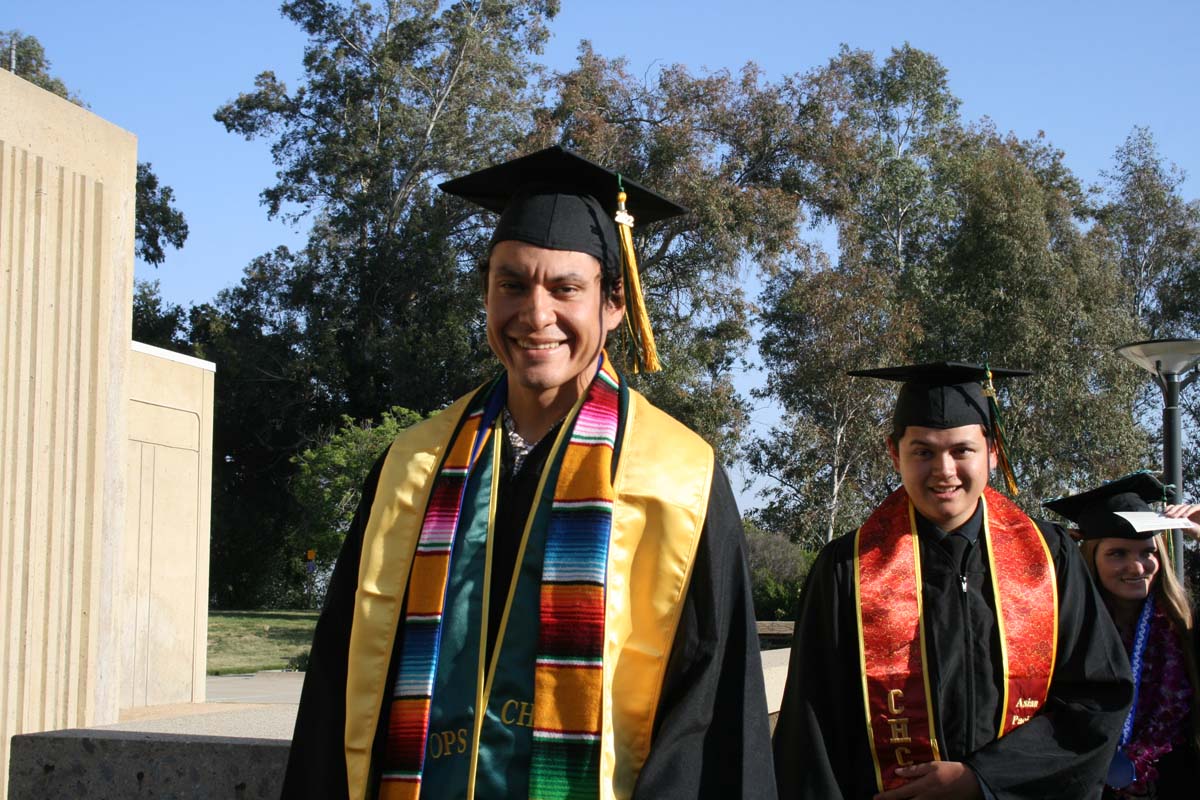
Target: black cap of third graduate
(944, 394)
(559, 200)
(1095, 511)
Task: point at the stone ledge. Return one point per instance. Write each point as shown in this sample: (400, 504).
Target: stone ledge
(209, 750)
(775, 668)
(101, 764)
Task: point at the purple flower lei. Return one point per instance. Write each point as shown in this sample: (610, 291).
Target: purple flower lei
(1163, 706)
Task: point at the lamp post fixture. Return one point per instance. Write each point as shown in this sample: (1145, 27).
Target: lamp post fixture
(1168, 360)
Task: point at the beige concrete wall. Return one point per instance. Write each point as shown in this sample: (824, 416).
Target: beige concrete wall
(66, 269)
(164, 590)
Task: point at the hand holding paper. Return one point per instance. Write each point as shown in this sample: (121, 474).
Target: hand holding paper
(1185, 518)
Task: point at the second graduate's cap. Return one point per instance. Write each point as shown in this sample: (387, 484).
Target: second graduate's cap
(1095, 511)
(950, 394)
(944, 394)
(559, 200)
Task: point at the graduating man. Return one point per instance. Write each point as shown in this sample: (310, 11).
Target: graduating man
(951, 647)
(544, 593)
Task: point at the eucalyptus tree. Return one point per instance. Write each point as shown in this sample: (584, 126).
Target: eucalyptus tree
(379, 308)
(719, 144)
(953, 242)
(395, 96)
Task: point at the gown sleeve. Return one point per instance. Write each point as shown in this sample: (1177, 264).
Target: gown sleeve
(813, 744)
(316, 765)
(711, 736)
(1064, 751)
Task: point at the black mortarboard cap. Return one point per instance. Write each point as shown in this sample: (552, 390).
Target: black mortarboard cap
(556, 199)
(944, 394)
(949, 394)
(1095, 511)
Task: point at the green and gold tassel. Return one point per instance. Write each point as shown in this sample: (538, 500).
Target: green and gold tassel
(637, 321)
(998, 430)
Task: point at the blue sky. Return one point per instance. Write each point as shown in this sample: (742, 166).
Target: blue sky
(1083, 72)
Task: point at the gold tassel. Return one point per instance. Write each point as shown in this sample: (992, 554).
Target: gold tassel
(998, 431)
(637, 321)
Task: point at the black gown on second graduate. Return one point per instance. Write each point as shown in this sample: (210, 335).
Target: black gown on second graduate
(821, 746)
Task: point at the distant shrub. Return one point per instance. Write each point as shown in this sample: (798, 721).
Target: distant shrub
(298, 662)
(778, 567)
(328, 486)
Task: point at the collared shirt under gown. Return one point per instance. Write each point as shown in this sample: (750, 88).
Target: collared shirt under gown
(711, 736)
(820, 742)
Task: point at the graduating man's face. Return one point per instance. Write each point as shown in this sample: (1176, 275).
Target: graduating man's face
(944, 470)
(547, 319)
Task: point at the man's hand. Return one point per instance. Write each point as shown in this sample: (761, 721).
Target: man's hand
(1188, 511)
(948, 780)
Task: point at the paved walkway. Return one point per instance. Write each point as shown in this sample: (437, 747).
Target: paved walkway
(259, 706)
(261, 687)
(263, 705)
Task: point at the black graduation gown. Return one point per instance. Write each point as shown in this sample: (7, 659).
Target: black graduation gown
(711, 736)
(820, 743)
(1178, 773)
(1179, 770)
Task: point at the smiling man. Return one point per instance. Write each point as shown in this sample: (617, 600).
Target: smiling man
(544, 593)
(951, 647)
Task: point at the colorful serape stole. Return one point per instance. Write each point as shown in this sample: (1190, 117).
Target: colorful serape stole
(891, 627)
(408, 718)
(569, 676)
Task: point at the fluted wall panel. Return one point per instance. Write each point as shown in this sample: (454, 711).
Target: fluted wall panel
(66, 266)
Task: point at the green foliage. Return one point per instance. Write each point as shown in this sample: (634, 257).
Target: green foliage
(778, 568)
(269, 406)
(158, 223)
(329, 479)
(25, 57)
(156, 321)
(714, 143)
(1153, 234)
(826, 458)
(953, 243)
(240, 642)
(381, 307)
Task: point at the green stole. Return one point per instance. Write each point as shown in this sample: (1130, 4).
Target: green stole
(507, 734)
(662, 483)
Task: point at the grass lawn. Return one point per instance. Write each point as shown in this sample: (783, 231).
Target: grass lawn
(249, 641)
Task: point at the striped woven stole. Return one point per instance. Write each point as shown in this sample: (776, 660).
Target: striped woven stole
(408, 718)
(568, 674)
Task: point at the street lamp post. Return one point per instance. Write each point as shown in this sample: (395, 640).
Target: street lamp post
(1168, 360)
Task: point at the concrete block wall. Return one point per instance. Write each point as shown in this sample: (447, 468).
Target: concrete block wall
(164, 586)
(67, 183)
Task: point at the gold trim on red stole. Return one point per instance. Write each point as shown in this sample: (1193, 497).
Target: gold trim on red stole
(891, 636)
(1025, 587)
(893, 655)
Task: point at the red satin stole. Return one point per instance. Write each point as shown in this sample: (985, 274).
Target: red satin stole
(891, 627)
